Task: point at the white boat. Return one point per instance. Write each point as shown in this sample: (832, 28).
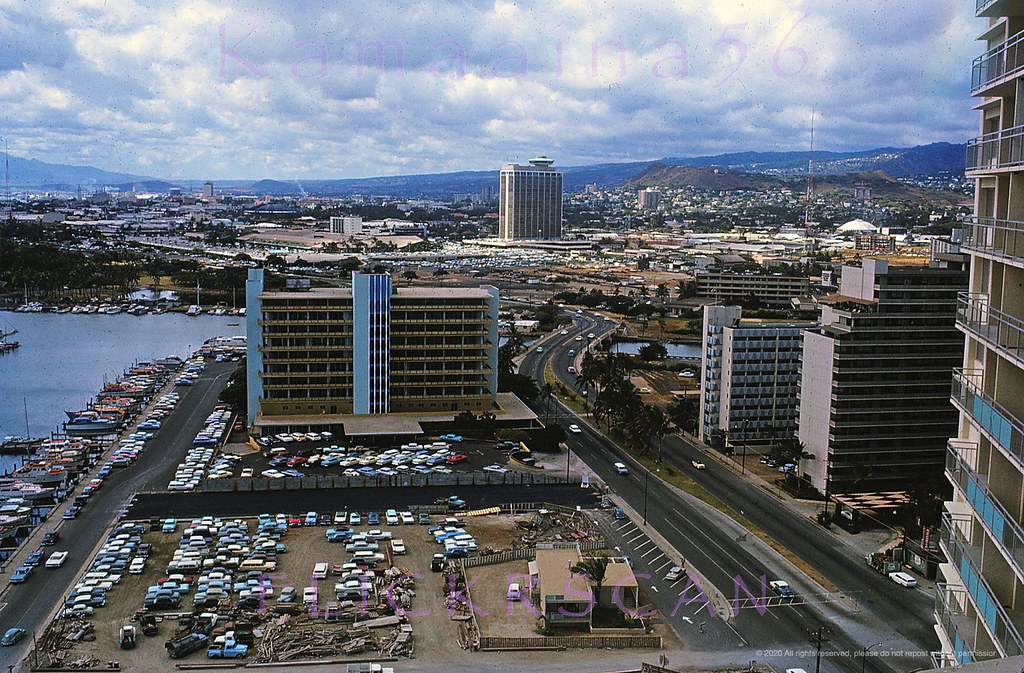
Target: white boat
(194, 310)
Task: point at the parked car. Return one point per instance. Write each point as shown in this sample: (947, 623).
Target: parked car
(903, 579)
(575, 428)
(674, 574)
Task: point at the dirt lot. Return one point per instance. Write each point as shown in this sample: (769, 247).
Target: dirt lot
(437, 636)
(306, 546)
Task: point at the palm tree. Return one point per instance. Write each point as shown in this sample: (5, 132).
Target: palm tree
(547, 391)
(658, 425)
(661, 292)
(594, 569)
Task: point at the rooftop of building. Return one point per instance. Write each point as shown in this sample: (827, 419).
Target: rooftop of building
(619, 574)
(509, 410)
(480, 292)
(554, 569)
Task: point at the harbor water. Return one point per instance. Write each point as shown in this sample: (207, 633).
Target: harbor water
(64, 359)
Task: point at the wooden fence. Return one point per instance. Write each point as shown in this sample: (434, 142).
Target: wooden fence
(328, 481)
(524, 553)
(571, 642)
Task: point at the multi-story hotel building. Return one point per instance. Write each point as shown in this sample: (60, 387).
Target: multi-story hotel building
(979, 605)
(874, 387)
(770, 289)
(530, 202)
(316, 356)
(750, 378)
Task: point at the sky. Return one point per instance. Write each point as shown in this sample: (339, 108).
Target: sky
(303, 89)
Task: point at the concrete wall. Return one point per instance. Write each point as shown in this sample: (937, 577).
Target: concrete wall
(816, 405)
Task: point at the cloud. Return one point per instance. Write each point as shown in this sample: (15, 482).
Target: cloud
(293, 89)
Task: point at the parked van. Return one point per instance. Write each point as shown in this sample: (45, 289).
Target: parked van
(320, 571)
(514, 592)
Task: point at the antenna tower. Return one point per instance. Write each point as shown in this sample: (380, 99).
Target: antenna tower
(7, 179)
(810, 182)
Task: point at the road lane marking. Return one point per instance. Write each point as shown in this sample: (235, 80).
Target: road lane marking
(649, 553)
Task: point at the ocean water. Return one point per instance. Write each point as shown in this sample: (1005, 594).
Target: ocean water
(64, 359)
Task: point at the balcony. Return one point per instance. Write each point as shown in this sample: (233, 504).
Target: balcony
(1000, 239)
(949, 615)
(1003, 332)
(999, 63)
(996, 150)
(997, 423)
(994, 8)
(1000, 524)
(966, 557)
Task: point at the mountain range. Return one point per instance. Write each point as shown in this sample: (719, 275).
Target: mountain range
(932, 159)
(723, 179)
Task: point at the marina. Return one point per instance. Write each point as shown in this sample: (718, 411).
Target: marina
(72, 356)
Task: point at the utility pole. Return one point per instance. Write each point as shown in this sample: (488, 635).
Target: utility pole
(567, 452)
(647, 475)
(817, 660)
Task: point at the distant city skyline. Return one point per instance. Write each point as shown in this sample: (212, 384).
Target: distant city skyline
(195, 89)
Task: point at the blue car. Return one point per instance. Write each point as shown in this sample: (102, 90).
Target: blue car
(451, 438)
(457, 552)
(373, 519)
(21, 574)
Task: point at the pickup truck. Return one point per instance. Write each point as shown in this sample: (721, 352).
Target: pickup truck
(226, 647)
(186, 645)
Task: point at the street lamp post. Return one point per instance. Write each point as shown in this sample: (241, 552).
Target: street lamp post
(864, 656)
(647, 474)
(567, 452)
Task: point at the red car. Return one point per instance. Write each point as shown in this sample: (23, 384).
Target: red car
(456, 458)
(298, 461)
(294, 520)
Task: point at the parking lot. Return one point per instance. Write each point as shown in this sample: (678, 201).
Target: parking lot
(324, 456)
(278, 585)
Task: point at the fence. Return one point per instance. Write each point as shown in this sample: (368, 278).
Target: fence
(525, 553)
(453, 480)
(571, 642)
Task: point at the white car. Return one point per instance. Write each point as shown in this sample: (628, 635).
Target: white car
(698, 464)
(903, 579)
(56, 559)
(674, 573)
(621, 468)
(495, 468)
(398, 547)
(407, 518)
(575, 428)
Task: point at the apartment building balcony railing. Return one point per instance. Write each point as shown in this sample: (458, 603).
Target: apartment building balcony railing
(950, 616)
(1000, 524)
(1000, 330)
(982, 5)
(1001, 61)
(997, 423)
(1003, 239)
(996, 150)
(967, 560)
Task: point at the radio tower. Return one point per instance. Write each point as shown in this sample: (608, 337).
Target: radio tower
(810, 183)
(7, 180)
